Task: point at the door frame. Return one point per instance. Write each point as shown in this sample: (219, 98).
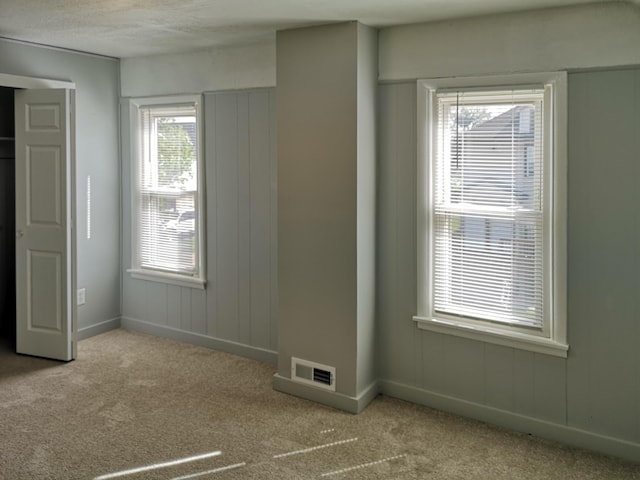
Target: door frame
(23, 82)
(18, 81)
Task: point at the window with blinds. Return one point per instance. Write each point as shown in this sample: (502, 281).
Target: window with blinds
(488, 206)
(167, 207)
(491, 212)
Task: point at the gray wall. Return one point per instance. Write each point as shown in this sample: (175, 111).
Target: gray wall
(596, 35)
(326, 84)
(366, 210)
(592, 397)
(603, 369)
(317, 133)
(97, 92)
(234, 67)
(237, 310)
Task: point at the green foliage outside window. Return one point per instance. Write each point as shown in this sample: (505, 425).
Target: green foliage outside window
(176, 152)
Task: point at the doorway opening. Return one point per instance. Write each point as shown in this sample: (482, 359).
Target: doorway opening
(7, 219)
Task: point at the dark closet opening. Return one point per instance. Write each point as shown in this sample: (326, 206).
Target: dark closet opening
(7, 219)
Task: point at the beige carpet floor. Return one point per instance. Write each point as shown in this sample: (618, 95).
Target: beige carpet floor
(134, 406)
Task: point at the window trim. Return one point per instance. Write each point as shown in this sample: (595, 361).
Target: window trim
(136, 271)
(552, 338)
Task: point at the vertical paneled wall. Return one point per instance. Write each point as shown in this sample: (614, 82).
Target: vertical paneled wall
(396, 226)
(591, 398)
(237, 310)
(603, 369)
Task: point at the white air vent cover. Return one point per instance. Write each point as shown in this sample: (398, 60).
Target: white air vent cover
(311, 373)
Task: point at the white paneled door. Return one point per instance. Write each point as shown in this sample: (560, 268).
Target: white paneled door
(45, 312)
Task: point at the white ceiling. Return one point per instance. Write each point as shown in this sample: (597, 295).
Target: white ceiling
(127, 28)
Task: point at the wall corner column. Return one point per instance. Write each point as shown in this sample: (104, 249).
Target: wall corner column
(326, 81)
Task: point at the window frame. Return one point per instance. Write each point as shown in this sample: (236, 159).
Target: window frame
(136, 270)
(551, 337)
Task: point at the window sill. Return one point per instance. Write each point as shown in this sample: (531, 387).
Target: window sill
(170, 278)
(494, 335)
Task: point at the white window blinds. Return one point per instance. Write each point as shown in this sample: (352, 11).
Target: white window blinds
(167, 190)
(488, 206)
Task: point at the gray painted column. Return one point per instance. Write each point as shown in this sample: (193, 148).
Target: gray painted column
(326, 96)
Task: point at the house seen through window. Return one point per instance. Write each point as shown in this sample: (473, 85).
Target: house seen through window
(488, 225)
(488, 246)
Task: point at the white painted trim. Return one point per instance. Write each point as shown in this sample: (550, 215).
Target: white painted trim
(165, 277)
(559, 216)
(156, 276)
(484, 333)
(552, 339)
(57, 49)
(98, 328)
(169, 100)
(423, 190)
(522, 423)
(17, 81)
(332, 399)
(494, 81)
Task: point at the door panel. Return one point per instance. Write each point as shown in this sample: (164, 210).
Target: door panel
(44, 270)
(45, 314)
(43, 174)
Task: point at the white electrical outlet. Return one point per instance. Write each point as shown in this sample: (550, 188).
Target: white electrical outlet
(82, 292)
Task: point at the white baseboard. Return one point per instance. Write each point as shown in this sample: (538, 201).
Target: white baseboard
(255, 353)
(521, 423)
(98, 328)
(325, 397)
